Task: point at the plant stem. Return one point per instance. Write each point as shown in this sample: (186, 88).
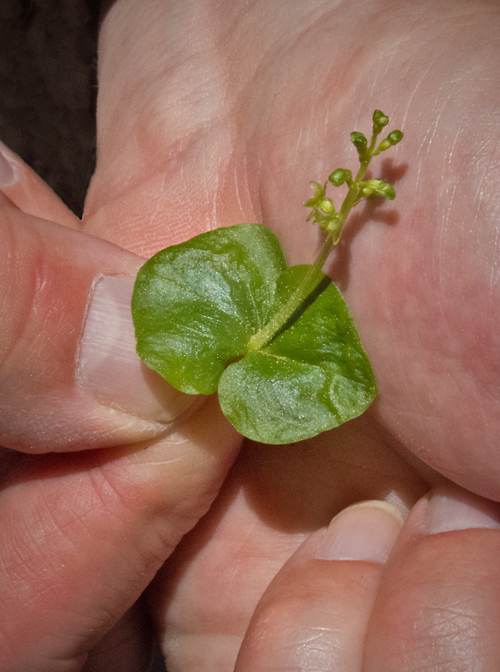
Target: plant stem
(308, 284)
(314, 275)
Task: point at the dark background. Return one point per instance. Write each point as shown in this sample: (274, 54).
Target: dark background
(48, 88)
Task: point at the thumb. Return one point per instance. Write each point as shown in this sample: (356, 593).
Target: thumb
(25, 189)
(81, 536)
(70, 378)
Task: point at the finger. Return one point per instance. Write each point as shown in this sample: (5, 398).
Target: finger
(69, 374)
(315, 613)
(160, 148)
(204, 597)
(30, 193)
(438, 604)
(82, 535)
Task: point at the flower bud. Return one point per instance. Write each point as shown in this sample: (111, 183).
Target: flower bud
(394, 137)
(379, 121)
(359, 141)
(367, 191)
(333, 226)
(338, 177)
(385, 144)
(388, 191)
(319, 193)
(327, 206)
(378, 188)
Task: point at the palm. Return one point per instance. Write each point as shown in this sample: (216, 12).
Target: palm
(210, 120)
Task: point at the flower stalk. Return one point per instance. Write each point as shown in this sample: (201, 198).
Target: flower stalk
(331, 221)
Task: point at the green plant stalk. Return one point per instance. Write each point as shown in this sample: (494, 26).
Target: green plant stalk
(314, 276)
(310, 282)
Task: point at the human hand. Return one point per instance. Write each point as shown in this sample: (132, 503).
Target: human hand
(99, 477)
(250, 104)
(254, 102)
(362, 595)
(240, 106)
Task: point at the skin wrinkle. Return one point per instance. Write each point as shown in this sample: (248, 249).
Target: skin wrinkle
(413, 94)
(241, 186)
(111, 488)
(316, 638)
(97, 489)
(156, 213)
(64, 520)
(12, 558)
(494, 274)
(448, 642)
(449, 623)
(158, 113)
(302, 646)
(93, 624)
(283, 34)
(35, 597)
(68, 533)
(445, 623)
(398, 353)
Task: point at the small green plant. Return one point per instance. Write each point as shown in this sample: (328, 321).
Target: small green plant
(224, 313)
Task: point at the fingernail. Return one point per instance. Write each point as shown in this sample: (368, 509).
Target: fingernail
(364, 531)
(451, 508)
(7, 172)
(108, 366)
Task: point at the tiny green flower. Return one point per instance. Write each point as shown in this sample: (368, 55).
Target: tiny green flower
(319, 195)
(392, 139)
(340, 176)
(379, 121)
(378, 188)
(361, 143)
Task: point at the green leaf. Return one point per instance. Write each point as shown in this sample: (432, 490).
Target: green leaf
(195, 305)
(312, 377)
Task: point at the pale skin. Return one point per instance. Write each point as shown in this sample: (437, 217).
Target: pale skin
(214, 113)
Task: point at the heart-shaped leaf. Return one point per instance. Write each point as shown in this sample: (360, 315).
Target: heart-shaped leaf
(195, 308)
(313, 376)
(196, 304)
